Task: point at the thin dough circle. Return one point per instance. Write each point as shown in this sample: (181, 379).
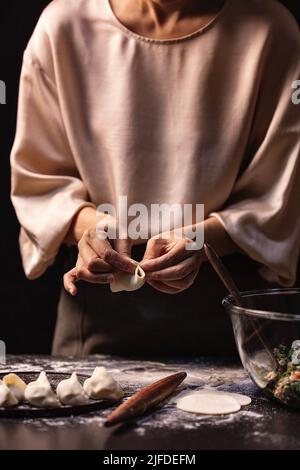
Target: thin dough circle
(243, 400)
(209, 404)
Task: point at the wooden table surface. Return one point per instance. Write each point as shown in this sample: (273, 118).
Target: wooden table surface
(261, 425)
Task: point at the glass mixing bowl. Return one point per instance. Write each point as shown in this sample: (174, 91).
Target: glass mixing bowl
(267, 335)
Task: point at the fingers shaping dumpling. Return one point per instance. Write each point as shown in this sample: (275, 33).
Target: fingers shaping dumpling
(128, 282)
(7, 398)
(40, 394)
(70, 392)
(102, 386)
(16, 385)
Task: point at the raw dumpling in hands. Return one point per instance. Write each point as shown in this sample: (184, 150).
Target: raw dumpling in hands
(102, 386)
(7, 398)
(128, 282)
(40, 394)
(16, 385)
(70, 392)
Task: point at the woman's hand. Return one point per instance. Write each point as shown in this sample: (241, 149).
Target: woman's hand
(98, 260)
(169, 266)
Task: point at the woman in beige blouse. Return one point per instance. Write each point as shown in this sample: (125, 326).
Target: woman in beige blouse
(163, 101)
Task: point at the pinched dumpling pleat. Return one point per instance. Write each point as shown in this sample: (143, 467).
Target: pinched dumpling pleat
(70, 392)
(40, 394)
(7, 398)
(128, 282)
(102, 386)
(16, 385)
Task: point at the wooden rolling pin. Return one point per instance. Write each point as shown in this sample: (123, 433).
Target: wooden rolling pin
(145, 399)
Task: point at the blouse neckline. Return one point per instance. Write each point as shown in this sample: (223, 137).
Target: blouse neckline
(166, 41)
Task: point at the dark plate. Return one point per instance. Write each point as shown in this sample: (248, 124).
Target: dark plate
(25, 410)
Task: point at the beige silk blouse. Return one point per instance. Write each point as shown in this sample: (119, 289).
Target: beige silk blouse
(207, 118)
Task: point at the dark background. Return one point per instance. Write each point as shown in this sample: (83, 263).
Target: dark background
(28, 308)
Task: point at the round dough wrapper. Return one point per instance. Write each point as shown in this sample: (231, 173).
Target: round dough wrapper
(180, 394)
(243, 400)
(209, 404)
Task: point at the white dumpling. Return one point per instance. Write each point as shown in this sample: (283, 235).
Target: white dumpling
(40, 394)
(7, 398)
(128, 282)
(70, 392)
(16, 385)
(102, 386)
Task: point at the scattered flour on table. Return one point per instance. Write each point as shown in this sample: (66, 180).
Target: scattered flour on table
(174, 419)
(168, 417)
(135, 374)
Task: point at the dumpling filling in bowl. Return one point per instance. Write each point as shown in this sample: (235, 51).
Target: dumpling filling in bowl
(266, 329)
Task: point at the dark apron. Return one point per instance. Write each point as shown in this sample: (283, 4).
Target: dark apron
(149, 323)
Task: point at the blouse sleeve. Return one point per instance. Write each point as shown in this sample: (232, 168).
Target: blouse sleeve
(47, 190)
(262, 215)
